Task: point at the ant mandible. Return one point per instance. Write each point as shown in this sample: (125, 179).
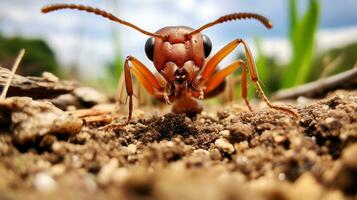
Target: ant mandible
(185, 72)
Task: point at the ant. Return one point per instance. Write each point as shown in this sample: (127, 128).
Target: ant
(186, 73)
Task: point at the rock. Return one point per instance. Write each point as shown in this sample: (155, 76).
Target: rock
(44, 183)
(215, 154)
(57, 170)
(131, 148)
(48, 76)
(120, 175)
(90, 95)
(107, 171)
(349, 156)
(225, 134)
(223, 145)
(33, 119)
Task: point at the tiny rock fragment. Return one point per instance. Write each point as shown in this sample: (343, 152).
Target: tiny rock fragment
(215, 154)
(48, 76)
(107, 171)
(223, 145)
(44, 183)
(120, 175)
(131, 149)
(90, 95)
(225, 133)
(349, 156)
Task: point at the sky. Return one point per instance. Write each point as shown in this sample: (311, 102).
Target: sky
(87, 40)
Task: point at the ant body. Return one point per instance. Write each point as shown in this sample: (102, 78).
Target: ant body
(185, 72)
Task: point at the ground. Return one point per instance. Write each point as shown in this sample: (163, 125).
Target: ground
(223, 153)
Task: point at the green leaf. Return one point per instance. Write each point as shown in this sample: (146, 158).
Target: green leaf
(302, 40)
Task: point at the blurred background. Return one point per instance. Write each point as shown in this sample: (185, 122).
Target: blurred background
(311, 39)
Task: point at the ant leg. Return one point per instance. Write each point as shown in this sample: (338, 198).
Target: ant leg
(120, 89)
(245, 87)
(255, 79)
(216, 79)
(144, 77)
(220, 55)
(139, 97)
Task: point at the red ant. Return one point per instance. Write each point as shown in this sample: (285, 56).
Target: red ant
(180, 55)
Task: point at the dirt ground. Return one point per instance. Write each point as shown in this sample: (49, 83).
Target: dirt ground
(223, 153)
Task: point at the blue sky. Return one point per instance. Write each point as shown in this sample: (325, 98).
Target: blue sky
(86, 40)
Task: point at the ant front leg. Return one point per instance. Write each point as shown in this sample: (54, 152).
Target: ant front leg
(213, 80)
(144, 76)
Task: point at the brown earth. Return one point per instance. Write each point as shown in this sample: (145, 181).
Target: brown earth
(225, 154)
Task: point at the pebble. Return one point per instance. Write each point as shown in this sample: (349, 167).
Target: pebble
(242, 145)
(107, 171)
(57, 170)
(44, 183)
(225, 133)
(89, 183)
(50, 77)
(120, 175)
(223, 145)
(56, 147)
(131, 149)
(329, 120)
(349, 156)
(215, 154)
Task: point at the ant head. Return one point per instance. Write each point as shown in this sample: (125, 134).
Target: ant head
(176, 35)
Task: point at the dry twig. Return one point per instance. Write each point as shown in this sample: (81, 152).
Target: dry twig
(344, 80)
(13, 71)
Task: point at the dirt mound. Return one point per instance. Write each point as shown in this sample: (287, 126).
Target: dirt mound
(216, 155)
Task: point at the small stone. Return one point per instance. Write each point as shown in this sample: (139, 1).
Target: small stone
(329, 120)
(242, 145)
(44, 183)
(139, 113)
(279, 138)
(56, 147)
(225, 133)
(215, 154)
(107, 171)
(57, 170)
(90, 95)
(302, 100)
(201, 152)
(223, 145)
(48, 76)
(120, 175)
(131, 149)
(349, 156)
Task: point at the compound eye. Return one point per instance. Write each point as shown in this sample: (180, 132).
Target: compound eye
(149, 48)
(207, 45)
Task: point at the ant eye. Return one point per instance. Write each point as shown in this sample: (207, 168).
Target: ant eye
(149, 48)
(207, 45)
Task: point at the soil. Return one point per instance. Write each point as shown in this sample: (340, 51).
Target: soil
(223, 153)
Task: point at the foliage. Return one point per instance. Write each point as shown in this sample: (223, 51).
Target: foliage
(39, 57)
(349, 60)
(302, 37)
